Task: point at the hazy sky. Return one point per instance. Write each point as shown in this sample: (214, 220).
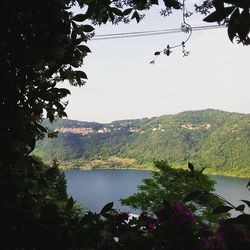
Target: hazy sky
(122, 84)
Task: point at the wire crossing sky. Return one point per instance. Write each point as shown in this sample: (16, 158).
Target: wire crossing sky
(152, 32)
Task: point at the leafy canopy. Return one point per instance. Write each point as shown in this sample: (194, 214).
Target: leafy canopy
(174, 185)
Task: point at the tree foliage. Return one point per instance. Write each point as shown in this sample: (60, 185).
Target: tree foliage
(43, 44)
(173, 185)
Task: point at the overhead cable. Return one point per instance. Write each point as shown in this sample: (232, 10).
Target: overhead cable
(152, 32)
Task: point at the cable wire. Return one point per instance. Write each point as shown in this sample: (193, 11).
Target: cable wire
(151, 32)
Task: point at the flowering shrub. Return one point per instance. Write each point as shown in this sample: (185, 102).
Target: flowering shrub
(173, 227)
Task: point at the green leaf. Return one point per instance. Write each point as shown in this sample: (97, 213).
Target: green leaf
(247, 202)
(136, 16)
(87, 28)
(219, 15)
(80, 74)
(222, 209)
(79, 18)
(127, 11)
(84, 48)
(108, 207)
(240, 208)
(116, 11)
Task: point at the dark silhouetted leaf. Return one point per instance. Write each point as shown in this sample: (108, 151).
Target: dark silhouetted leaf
(127, 11)
(81, 74)
(201, 171)
(108, 207)
(248, 184)
(87, 28)
(191, 166)
(218, 4)
(70, 204)
(64, 92)
(219, 15)
(240, 3)
(222, 209)
(77, 41)
(136, 16)
(117, 11)
(40, 127)
(79, 18)
(172, 4)
(84, 48)
(232, 25)
(247, 202)
(240, 208)
(157, 53)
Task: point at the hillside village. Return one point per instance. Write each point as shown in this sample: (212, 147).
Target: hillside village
(104, 130)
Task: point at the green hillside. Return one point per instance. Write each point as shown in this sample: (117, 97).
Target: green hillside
(208, 138)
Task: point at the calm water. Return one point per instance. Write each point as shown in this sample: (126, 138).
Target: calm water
(95, 188)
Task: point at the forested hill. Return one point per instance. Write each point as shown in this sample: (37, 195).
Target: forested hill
(208, 138)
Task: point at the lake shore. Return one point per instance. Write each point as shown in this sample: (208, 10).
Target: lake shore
(116, 163)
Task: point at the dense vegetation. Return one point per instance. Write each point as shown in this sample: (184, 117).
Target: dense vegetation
(42, 45)
(174, 185)
(209, 138)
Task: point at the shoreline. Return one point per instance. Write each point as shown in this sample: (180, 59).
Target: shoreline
(144, 168)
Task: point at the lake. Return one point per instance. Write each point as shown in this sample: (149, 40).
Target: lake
(95, 188)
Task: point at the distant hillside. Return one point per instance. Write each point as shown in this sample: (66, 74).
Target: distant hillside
(208, 138)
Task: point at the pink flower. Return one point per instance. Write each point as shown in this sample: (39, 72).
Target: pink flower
(150, 222)
(184, 213)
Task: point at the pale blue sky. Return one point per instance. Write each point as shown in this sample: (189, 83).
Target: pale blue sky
(122, 84)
